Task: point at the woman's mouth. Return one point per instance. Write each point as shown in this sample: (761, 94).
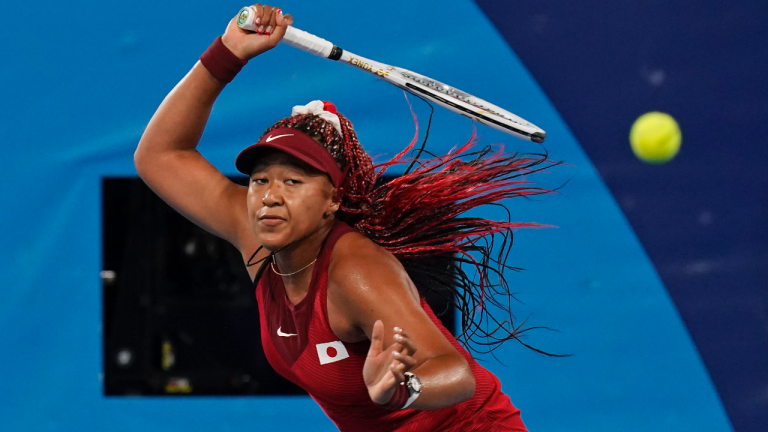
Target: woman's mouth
(271, 220)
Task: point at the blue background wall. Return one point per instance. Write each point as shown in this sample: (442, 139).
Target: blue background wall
(654, 276)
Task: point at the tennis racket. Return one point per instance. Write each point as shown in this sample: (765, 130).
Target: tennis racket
(444, 95)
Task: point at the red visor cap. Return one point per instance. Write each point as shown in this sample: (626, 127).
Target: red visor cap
(297, 144)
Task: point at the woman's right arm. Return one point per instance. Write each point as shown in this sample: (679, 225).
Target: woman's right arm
(168, 161)
(167, 158)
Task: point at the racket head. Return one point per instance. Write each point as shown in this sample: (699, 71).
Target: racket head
(466, 104)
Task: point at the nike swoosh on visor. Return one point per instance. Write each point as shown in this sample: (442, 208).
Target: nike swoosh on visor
(276, 137)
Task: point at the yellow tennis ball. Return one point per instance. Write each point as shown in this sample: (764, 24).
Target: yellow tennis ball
(655, 137)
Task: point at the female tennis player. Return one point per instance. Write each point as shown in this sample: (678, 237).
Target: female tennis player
(340, 315)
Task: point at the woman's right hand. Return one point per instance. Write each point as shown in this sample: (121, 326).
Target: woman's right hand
(247, 44)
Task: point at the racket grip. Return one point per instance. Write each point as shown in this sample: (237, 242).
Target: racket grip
(293, 36)
(308, 42)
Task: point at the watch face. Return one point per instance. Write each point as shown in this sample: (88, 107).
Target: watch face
(415, 383)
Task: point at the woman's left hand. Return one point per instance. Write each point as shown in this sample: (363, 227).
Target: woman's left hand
(384, 369)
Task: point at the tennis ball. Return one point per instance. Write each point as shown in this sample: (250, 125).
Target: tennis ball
(655, 137)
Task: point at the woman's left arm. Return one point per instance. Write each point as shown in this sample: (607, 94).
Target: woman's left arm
(376, 295)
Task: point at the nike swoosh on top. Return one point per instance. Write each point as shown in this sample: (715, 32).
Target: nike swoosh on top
(276, 137)
(280, 333)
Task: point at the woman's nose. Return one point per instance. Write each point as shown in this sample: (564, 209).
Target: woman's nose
(271, 196)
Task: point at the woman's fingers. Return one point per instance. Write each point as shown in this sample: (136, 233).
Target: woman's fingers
(272, 23)
(265, 18)
(405, 359)
(288, 19)
(259, 9)
(268, 19)
(401, 363)
(393, 362)
(403, 345)
(398, 371)
(262, 17)
(402, 337)
(377, 339)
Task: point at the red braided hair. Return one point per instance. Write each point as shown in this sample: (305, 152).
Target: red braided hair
(417, 217)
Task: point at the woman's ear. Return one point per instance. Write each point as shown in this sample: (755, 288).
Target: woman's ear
(335, 201)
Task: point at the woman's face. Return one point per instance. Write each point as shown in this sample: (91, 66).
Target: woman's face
(287, 199)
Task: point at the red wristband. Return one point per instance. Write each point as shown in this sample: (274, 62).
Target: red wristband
(222, 63)
(398, 399)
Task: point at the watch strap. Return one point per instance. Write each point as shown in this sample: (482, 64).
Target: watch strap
(401, 397)
(410, 400)
(413, 394)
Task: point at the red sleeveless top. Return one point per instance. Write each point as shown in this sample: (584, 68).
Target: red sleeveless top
(300, 345)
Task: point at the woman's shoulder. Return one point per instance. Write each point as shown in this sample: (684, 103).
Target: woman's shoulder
(354, 248)
(357, 263)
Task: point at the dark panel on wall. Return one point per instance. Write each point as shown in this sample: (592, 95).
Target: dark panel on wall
(180, 316)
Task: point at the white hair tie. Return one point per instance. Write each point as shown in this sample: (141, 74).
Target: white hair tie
(318, 108)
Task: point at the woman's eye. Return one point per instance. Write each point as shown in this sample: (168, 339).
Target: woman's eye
(259, 181)
(292, 182)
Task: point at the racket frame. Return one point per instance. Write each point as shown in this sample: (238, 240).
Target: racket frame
(442, 94)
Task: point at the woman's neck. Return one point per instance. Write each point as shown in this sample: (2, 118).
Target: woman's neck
(296, 262)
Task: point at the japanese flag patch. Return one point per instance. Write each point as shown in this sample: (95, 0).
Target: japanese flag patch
(330, 352)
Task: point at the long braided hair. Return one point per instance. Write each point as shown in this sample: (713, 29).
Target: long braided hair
(418, 217)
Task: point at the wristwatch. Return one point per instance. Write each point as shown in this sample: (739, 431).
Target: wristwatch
(413, 383)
